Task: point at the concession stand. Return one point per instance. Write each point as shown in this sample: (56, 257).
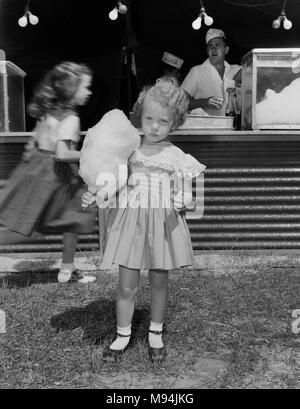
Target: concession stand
(252, 181)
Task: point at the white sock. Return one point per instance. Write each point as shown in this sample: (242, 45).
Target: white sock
(67, 266)
(155, 340)
(121, 342)
(65, 272)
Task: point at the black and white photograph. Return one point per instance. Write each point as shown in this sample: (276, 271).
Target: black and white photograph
(149, 197)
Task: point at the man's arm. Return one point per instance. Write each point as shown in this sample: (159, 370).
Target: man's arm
(210, 102)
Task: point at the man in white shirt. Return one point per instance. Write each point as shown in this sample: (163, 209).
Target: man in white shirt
(206, 84)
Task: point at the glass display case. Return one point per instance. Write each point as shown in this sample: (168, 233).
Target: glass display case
(271, 89)
(12, 103)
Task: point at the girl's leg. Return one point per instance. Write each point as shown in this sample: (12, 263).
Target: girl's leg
(127, 289)
(69, 248)
(159, 295)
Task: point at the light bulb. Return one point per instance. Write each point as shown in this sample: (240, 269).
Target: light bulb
(197, 23)
(113, 15)
(33, 19)
(208, 20)
(23, 21)
(122, 8)
(276, 23)
(287, 24)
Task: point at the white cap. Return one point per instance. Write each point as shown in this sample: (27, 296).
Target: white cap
(214, 33)
(172, 60)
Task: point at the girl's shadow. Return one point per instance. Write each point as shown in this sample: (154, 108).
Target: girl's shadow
(98, 321)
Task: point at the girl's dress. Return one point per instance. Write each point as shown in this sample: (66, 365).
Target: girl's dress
(42, 194)
(148, 233)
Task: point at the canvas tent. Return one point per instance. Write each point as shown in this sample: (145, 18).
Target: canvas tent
(82, 31)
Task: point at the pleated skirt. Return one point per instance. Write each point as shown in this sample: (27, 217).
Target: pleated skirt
(147, 238)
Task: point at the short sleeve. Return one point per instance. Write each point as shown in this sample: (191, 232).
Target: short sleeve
(189, 84)
(68, 129)
(191, 167)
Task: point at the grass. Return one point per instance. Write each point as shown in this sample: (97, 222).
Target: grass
(227, 331)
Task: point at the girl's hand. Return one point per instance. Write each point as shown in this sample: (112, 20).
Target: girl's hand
(30, 149)
(182, 201)
(88, 200)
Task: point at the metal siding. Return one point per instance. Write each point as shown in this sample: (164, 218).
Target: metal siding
(252, 196)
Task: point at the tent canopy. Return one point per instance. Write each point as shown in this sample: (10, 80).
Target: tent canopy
(82, 31)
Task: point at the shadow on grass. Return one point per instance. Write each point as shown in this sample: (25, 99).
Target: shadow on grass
(27, 278)
(98, 321)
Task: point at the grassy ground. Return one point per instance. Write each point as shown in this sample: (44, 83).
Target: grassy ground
(228, 331)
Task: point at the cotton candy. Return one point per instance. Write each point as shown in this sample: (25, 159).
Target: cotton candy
(105, 152)
(280, 108)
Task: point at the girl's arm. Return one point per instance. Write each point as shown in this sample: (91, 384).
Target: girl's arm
(67, 136)
(64, 153)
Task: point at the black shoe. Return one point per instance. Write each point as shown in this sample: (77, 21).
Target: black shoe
(157, 355)
(114, 354)
(76, 276)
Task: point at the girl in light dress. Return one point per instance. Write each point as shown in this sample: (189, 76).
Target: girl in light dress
(44, 192)
(150, 231)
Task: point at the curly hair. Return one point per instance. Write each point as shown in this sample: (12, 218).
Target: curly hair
(168, 94)
(57, 89)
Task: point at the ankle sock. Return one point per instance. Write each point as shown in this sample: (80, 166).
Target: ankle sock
(67, 266)
(65, 272)
(155, 340)
(121, 342)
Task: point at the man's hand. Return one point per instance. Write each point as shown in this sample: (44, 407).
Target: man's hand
(88, 200)
(215, 102)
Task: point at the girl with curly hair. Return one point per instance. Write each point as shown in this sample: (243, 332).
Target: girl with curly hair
(44, 192)
(151, 233)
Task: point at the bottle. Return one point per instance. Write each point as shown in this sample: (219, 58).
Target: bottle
(230, 108)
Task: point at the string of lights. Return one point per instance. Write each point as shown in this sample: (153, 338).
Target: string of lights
(120, 8)
(282, 18)
(28, 17)
(202, 17)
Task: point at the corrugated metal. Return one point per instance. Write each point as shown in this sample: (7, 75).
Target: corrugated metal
(251, 195)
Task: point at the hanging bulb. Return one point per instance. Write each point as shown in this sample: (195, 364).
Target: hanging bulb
(113, 14)
(276, 23)
(208, 20)
(122, 8)
(197, 23)
(23, 21)
(33, 19)
(287, 24)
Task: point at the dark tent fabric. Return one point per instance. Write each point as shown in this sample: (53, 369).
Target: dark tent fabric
(81, 31)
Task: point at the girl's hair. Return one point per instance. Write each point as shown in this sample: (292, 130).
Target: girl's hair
(168, 94)
(57, 89)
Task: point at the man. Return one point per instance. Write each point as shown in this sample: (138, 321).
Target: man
(206, 84)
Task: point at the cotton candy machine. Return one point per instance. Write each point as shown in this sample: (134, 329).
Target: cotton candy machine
(12, 105)
(271, 89)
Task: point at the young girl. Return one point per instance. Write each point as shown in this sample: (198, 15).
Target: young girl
(44, 192)
(150, 232)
